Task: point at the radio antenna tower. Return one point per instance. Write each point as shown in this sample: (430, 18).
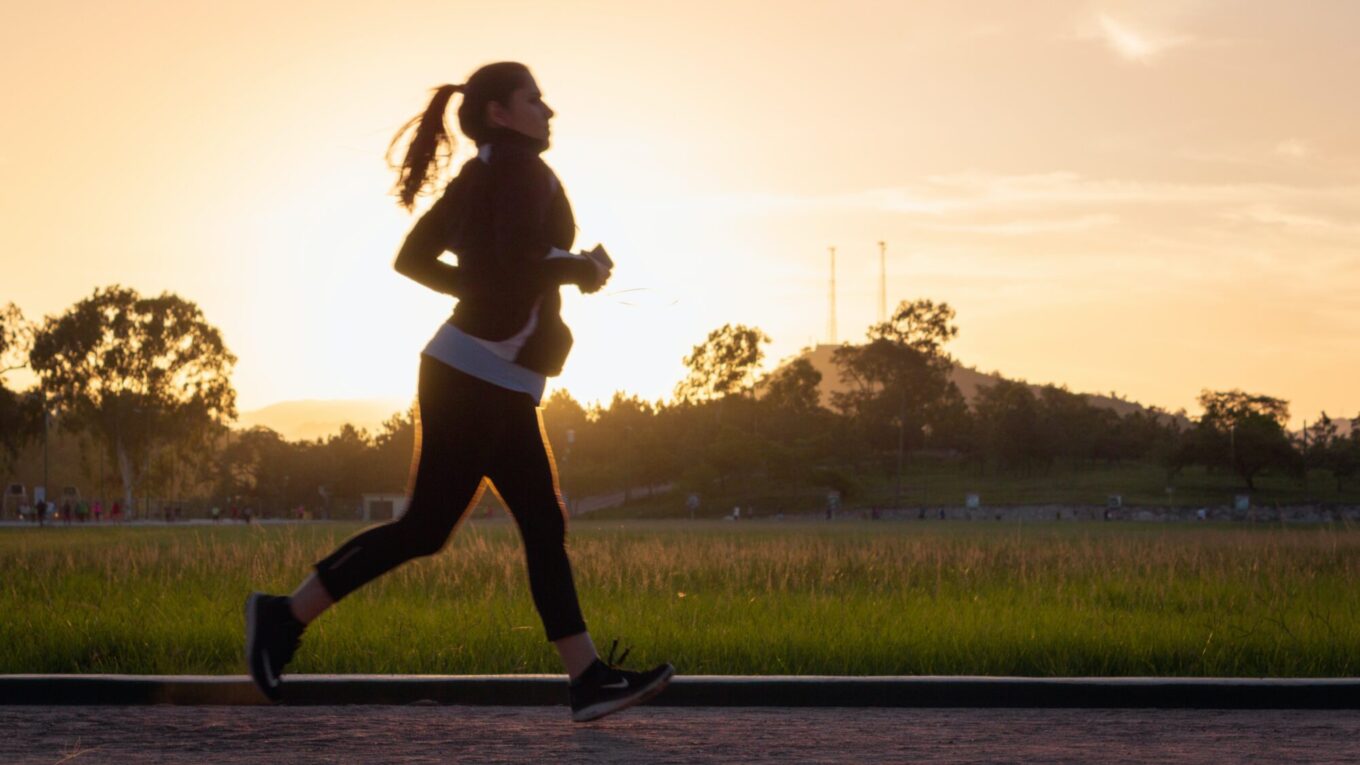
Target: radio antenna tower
(882, 282)
(831, 329)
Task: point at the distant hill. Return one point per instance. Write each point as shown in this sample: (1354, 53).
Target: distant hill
(967, 379)
(311, 419)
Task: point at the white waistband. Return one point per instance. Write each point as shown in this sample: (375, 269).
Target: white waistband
(474, 356)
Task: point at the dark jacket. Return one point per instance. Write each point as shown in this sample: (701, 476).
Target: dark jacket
(501, 219)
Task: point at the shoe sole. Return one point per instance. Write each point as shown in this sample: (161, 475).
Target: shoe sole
(252, 620)
(596, 711)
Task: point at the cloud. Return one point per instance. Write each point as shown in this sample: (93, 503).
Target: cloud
(1023, 196)
(986, 31)
(982, 192)
(1135, 45)
(1293, 148)
(1201, 230)
(1272, 215)
(1025, 227)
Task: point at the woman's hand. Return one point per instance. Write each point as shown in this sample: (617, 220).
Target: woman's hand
(604, 268)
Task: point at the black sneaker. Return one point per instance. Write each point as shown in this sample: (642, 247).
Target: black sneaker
(604, 688)
(272, 637)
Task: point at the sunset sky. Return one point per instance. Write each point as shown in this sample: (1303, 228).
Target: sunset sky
(1146, 197)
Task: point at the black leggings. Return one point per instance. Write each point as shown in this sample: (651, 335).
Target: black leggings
(466, 429)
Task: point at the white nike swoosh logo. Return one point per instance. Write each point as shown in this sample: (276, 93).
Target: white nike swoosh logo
(619, 684)
(268, 673)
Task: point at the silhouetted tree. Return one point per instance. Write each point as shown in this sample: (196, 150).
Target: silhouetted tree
(793, 388)
(1008, 424)
(139, 373)
(794, 428)
(563, 414)
(1343, 454)
(899, 380)
(16, 340)
(1246, 432)
(393, 449)
(1315, 445)
(21, 415)
(252, 467)
(1142, 433)
(922, 325)
(734, 455)
(1074, 429)
(632, 449)
(1325, 448)
(725, 363)
(347, 456)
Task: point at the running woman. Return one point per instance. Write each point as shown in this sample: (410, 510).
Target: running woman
(481, 379)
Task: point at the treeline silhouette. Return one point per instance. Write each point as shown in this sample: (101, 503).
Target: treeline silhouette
(140, 386)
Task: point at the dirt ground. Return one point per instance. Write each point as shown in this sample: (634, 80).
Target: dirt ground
(431, 734)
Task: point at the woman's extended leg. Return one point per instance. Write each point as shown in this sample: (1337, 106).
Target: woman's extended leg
(453, 438)
(453, 434)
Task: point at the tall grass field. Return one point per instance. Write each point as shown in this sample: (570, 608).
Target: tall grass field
(764, 597)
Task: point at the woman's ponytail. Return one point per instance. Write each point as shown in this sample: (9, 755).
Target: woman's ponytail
(429, 151)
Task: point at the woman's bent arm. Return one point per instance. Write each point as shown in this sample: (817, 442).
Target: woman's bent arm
(418, 258)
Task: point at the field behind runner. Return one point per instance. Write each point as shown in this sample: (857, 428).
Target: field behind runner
(750, 598)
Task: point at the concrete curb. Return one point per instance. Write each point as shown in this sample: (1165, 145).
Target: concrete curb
(700, 690)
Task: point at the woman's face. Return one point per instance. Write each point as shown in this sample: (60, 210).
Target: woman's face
(526, 112)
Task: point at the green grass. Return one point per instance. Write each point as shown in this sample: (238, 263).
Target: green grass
(762, 597)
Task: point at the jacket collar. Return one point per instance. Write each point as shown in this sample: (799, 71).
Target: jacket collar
(499, 136)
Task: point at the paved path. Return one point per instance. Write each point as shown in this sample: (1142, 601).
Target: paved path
(435, 734)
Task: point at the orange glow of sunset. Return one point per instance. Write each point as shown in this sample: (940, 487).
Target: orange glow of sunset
(1147, 197)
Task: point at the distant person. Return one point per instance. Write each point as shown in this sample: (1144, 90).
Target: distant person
(216, 513)
(40, 508)
(98, 510)
(481, 378)
(66, 512)
(82, 511)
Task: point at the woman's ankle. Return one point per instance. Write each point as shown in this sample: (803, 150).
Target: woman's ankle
(577, 653)
(293, 610)
(309, 600)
